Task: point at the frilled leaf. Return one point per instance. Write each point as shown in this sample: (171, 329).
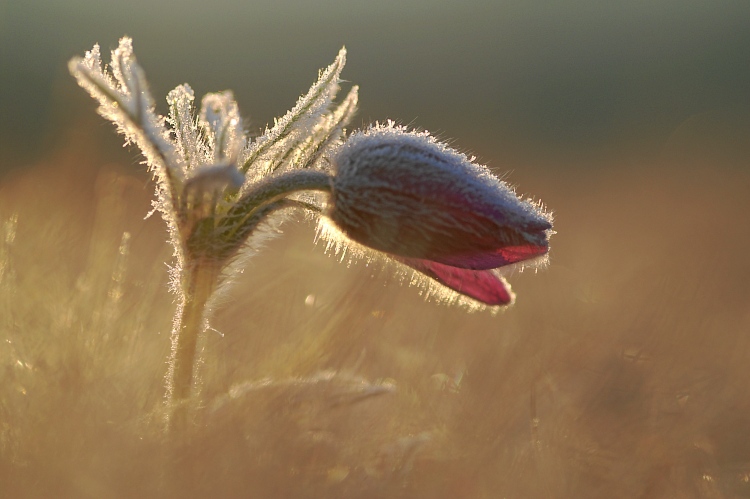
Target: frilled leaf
(222, 126)
(190, 143)
(270, 151)
(125, 100)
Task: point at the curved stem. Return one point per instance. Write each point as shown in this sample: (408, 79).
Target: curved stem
(276, 187)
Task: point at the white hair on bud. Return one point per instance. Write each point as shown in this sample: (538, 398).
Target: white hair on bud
(406, 193)
(349, 252)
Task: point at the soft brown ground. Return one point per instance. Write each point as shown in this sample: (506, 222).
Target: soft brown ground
(622, 371)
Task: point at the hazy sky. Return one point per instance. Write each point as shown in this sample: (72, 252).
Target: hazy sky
(580, 73)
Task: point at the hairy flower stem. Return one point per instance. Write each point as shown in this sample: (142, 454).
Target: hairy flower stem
(200, 276)
(199, 281)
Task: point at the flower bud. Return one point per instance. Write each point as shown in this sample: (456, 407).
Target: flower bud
(405, 194)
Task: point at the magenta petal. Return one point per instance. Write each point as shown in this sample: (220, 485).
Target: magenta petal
(493, 259)
(482, 285)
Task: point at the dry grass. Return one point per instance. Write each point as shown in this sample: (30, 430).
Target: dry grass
(622, 371)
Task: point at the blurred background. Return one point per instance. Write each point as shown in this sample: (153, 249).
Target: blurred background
(506, 77)
(622, 370)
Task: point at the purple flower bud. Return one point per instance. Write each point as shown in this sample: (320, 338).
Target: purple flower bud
(430, 207)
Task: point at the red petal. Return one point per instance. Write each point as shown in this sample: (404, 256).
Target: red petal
(493, 259)
(482, 285)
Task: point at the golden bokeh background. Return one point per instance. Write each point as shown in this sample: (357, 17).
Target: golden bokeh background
(621, 371)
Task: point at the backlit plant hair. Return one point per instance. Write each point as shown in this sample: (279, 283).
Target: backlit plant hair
(400, 193)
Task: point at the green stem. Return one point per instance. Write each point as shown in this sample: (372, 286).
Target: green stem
(276, 187)
(199, 281)
(200, 274)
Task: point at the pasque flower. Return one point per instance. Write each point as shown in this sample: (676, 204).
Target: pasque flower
(401, 193)
(215, 186)
(405, 194)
